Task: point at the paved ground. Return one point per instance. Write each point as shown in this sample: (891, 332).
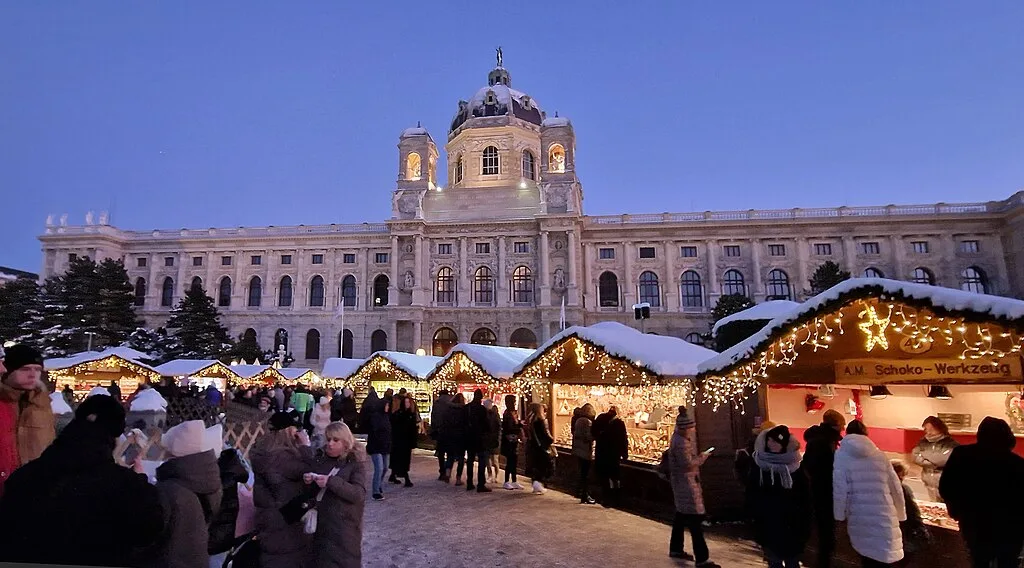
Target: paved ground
(436, 525)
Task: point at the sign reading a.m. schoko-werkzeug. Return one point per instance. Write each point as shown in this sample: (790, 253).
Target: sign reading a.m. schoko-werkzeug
(894, 371)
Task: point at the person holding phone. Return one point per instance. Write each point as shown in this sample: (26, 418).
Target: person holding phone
(682, 467)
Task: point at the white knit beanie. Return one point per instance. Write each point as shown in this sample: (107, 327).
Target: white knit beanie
(185, 439)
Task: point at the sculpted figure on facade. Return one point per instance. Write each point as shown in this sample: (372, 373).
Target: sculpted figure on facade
(559, 279)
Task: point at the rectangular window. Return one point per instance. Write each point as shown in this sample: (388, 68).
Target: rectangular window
(646, 252)
(286, 259)
(688, 252)
(920, 247)
(225, 261)
(823, 249)
(141, 262)
(348, 258)
(444, 248)
(969, 247)
(168, 261)
(197, 261)
(483, 248)
(318, 259)
(256, 260)
(606, 253)
(381, 258)
(732, 250)
(777, 250)
(870, 248)
(521, 247)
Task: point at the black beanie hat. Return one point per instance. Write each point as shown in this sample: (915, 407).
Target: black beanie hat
(103, 411)
(282, 420)
(780, 434)
(18, 356)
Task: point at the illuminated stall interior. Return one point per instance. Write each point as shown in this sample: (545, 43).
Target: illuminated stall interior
(891, 353)
(84, 371)
(257, 375)
(395, 370)
(201, 372)
(469, 366)
(645, 376)
(337, 370)
(298, 376)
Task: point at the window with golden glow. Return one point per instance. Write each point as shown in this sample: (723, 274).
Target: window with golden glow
(413, 167)
(444, 339)
(483, 336)
(483, 286)
(556, 158)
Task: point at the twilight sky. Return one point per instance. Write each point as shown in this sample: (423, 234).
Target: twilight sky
(198, 114)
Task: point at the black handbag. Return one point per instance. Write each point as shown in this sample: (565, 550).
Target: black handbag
(293, 510)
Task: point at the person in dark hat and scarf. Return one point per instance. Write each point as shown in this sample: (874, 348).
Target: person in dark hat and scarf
(27, 425)
(779, 498)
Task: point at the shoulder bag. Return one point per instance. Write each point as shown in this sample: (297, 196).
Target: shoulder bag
(312, 516)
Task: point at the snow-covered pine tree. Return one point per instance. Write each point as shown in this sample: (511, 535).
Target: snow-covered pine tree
(195, 328)
(115, 303)
(730, 304)
(155, 342)
(247, 349)
(19, 300)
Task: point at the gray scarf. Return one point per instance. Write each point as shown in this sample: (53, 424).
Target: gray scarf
(783, 464)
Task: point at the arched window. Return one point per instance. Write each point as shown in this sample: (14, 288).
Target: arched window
(140, 291)
(873, 273)
(777, 287)
(316, 291)
(312, 344)
(167, 292)
(691, 292)
(523, 338)
(348, 290)
(445, 289)
(284, 293)
(380, 290)
(459, 169)
(483, 286)
(255, 292)
(413, 167)
(649, 291)
(224, 294)
(922, 275)
(484, 336)
(249, 335)
(489, 165)
(529, 165)
(522, 285)
(695, 339)
(972, 279)
(556, 158)
(608, 290)
(197, 282)
(732, 283)
(444, 339)
(345, 344)
(378, 341)
(280, 339)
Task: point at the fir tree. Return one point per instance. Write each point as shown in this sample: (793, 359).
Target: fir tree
(247, 349)
(196, 329)
(730, 304)
(19, 300)
(114, 303)
(826, 276)
(154, 342)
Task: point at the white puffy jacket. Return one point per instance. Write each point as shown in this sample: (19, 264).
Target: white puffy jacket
(868, 495)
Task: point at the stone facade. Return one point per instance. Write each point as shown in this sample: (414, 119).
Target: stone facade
(492, 255)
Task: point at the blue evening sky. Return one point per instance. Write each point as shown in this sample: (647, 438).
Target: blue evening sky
(198, 114)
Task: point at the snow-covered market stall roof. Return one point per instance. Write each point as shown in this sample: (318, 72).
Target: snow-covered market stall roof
(85, 371)
(612, 353)
(764, 311)
(341, 368)
(482, 364)
(299, 375)
(394, 365)
(249, 374)
(868, 331)
(89, 360)
(197, 368)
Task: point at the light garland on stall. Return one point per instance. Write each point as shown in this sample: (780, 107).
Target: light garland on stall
(378, 364)
(610, 368)
(103, 365)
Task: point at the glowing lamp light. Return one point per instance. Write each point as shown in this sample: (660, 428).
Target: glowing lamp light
(421, 352)
(522, 184)
(939, 392)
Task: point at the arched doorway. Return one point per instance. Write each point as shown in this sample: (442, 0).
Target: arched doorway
(484, 336)
(444, 339)
(378, 341)
(345, 344)
(523, 338)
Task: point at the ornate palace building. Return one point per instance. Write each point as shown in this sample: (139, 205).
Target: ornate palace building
(491, 255)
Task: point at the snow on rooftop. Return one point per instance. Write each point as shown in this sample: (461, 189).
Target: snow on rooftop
(664, 355)
(555, 121)
(126, 353)
(949, 299)
(340, 367)
(185, 367)
(248, 371)
(293, 373)
(418, 366)
(58, 405)
(504, 94)
(764, 311)
(148, 400)
(87, 356)
(498, 362)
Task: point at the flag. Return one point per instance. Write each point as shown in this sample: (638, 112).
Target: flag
(561, 316)
(341, 312)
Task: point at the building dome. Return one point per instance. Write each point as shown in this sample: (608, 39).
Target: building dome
(498, 98)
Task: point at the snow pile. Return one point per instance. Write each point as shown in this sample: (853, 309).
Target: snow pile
(184, 367)
(102, 391)
(555, 121)
(764, 311)
(418, 366)
(340, 367)
(504, 94)
(664, 355)
(58, 405)
(148, 400)
(498, 362)
(293, 373)
(996, 307)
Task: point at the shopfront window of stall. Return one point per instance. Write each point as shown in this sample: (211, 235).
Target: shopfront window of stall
(87, 376)
(420, 391)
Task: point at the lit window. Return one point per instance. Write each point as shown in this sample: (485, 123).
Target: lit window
(413, 167)
(606, 253)
(688, 252)
(732, 250)
(556, 159)
(646, 252)
(921, 247)
(823, 249)
(870, 248)
(777, 250)
(490, 161)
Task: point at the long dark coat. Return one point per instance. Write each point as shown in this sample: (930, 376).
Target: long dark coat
(453, 430)
(376, 424)
(511, 433)
(339, 532)
(818, 463)
(477, 426)
(611, 444)
(782, 517)
(222, 528)
(539, 463)
(278, 480)
(190, 493)
(404, 433)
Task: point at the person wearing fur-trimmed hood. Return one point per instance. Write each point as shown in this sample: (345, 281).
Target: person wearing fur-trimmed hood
(27, 425)
(779, 494)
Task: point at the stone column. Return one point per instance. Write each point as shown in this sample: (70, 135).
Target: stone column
(712, 291)
(574, 292)
(417, 337)
(394, 276)
(628, 283)
(464, 294)
(420, 284)
(899, 254)
(238, 294)
(670, 290)
(501, 284)
(300, 288)
(153, 288)
(758, 292)
(180, 286)
(270, 287)
(393, 334)
(545, 289)
(332, 287)
(367, 283)
(803, 270)
(588, 291)
(209, 282)
(850, 255)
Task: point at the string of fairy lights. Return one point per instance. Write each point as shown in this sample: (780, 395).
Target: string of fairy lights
(105, 365)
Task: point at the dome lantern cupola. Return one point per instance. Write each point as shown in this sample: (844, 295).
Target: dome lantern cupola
(497, 99)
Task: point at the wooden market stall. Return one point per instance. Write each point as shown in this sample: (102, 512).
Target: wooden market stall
(469, 366)
(891, 353)
(395, 370)
(299, 376)
(84, 371)
(200, 372)
(257, 375)
(337, 370)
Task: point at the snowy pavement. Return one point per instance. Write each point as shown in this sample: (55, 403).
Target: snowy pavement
(436, 525)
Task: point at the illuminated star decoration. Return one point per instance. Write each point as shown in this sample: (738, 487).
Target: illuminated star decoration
(874, 328)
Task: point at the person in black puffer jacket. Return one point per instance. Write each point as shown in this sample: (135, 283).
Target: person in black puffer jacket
(222, 529)
(477, 426)
(511, 435)
(822, 441)
(453, 437)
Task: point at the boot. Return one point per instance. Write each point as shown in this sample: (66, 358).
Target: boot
(447, 477)
(538, 488)
(408, 482)
(586, 499)
(394, 478)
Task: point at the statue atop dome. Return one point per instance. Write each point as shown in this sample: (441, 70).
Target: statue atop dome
(501, 60)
